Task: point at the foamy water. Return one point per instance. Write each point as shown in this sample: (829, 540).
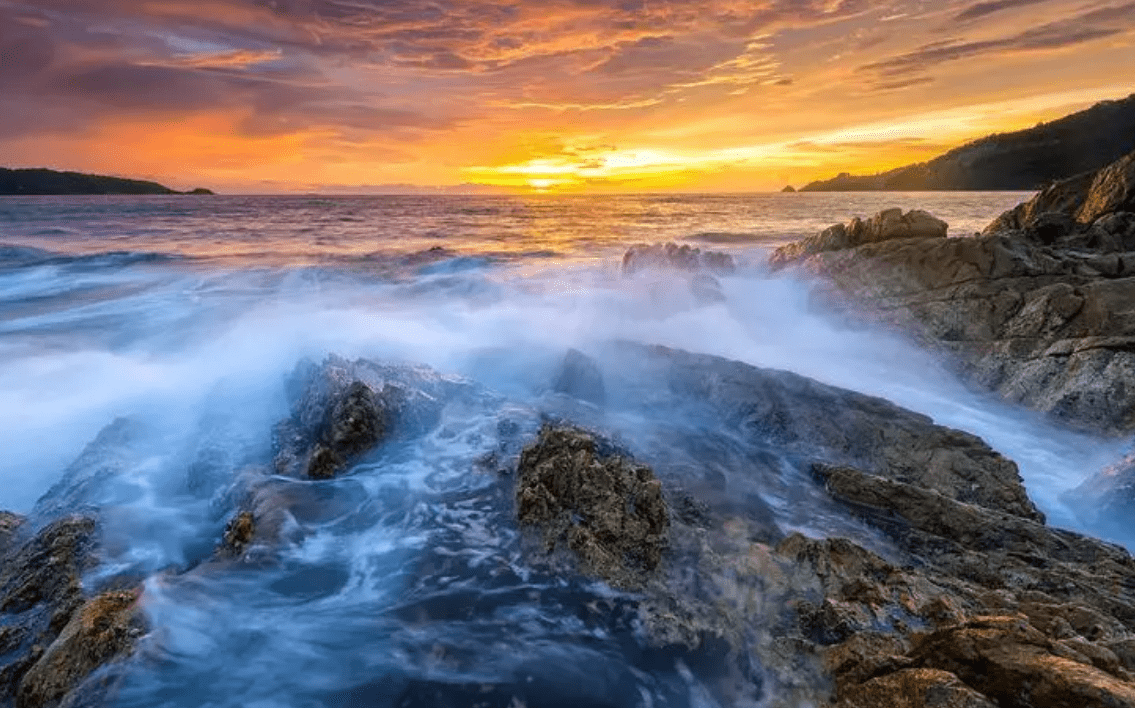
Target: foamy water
(186, 315)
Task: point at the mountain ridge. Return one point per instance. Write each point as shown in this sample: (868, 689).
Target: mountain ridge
(1022, 160)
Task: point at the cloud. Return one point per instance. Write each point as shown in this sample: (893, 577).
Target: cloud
(982, 9)
(1081, 29)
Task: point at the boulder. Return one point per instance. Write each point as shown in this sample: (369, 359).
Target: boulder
(887, 225)
(1017, 666)
(103, 630)
(40, 589)
(583, 494)
(1106, 500)
(579, 376)
(1040, 308)
(340, 410)
(670, 256)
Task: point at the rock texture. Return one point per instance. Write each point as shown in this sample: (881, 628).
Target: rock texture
(51, 636)
(341, 410)
(584, 494)
(1040, 308)
(885, 226)
(973, 601)
(1106, 500)
(671, 256)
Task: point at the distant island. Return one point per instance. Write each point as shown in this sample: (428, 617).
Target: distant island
(1024, 160)
(42, 182)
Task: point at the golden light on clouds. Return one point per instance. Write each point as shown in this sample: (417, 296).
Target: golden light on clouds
(557, 95)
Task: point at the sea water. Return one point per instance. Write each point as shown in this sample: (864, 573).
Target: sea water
(187, 313)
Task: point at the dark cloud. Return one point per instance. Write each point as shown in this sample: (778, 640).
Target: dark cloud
(1087, 27)
(981, 9)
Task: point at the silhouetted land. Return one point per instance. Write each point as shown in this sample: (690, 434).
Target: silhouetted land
(51, 183)
(1024, 160)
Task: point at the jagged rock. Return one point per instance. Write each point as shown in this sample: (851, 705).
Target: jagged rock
(1040, 308)
(671, 256)
(1107, 499)
(9, 524)
(608, 510)
(40, 589)
(84, 482)
(802, 416)
(914, 688)
(101, 631)
(1011, 662)
(342, 409)
(579, 376)
(239, 534)
(887, 225)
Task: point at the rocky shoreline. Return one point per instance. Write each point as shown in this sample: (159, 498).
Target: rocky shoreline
(774, 540)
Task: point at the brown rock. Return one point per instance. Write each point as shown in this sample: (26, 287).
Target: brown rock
(341, 410)
(239, 533)
(887, 225)
(1009, 661)
(671, 256)
(608, 510)
(914, 688)
(103, 630)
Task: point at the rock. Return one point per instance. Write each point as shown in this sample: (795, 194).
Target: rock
(914, 688)
(885, 226)
(579, 376)
(673, 257)
(9, 524)
(1112, 190)
(84, 483)
(1040, 308)
(103, 630)
(804, 417)
(40, 588)
(1012, 663)
(342, 409)
(239, 534)
(586, 496)
(1106, 500)
(789, 190)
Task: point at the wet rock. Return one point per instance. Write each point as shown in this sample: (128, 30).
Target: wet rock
(239, 534)
(586, 497)
(84, 484)
(341, 410)
(104, 629)
(9, 524)
(1106, 500)
(40, 588)
(1040, 308)
(579, 376)
(914, 688)
(670, 256)
(1014, 664)
(804, 417)
(887, 225)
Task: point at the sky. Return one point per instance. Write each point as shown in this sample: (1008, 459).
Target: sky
(358, 96)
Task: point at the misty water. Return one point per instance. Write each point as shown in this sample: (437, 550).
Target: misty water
(185, 315)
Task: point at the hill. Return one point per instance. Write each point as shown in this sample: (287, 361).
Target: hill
(35, 182)
(1022, 160)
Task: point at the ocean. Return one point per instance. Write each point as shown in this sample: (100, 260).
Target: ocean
(187, 315)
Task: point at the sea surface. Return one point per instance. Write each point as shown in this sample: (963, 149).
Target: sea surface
(188, 313)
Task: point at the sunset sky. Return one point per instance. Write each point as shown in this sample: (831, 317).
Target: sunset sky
(566, 95)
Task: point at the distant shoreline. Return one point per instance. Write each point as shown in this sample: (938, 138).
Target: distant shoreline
(40, 182)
